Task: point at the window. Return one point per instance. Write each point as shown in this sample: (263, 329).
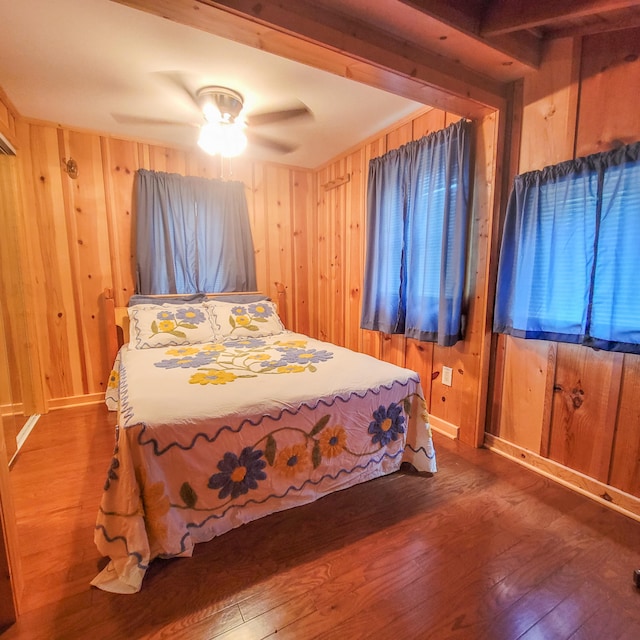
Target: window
(570, 255)
(193, 235)
(417, 212)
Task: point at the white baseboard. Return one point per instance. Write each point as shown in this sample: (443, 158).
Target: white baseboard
(23, 434)
(443, 427)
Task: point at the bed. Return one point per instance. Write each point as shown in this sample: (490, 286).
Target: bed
(224, 416)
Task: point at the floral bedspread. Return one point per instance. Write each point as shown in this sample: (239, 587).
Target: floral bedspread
(211, 436)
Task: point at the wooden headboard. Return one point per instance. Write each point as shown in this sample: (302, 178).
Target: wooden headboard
(117, 318)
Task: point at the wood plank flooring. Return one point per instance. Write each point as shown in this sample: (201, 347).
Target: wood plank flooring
(484, 549)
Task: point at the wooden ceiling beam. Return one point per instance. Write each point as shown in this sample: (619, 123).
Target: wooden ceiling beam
(466, 17)
(507, 16)
(301, 32)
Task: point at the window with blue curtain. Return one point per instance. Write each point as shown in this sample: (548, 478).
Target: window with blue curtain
(192, 235)
(417, 219)
(570, 255)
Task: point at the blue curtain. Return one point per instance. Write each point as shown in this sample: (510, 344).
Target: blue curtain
(192, 235)
(570, 253)
(417, 219)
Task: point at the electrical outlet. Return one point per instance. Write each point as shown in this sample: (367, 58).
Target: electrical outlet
(447, 373)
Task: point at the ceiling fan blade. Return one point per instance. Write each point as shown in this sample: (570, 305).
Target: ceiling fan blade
(270, 143)
(123, 118)
(270, 117)
(179, 80)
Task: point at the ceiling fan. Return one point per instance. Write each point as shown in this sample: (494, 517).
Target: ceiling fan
(225, 128)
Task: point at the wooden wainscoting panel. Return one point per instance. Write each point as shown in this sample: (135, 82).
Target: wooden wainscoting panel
(609, 113)
(625, 460)
(429, 122)
(299, 293)
(585, 403)
(54, 300)
(550, 100)
(279, 230)
(419, 358)
(167, 159)
(336, 202)
(321, 271)
(259, 224)
(89, 248)
(121, 160)
(355, 221)
(528, 374)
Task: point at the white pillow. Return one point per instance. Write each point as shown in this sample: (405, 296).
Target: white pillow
(233, 320)
(165, 325)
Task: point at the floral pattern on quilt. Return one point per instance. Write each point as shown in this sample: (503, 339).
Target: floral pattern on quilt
(176, 323)
(243, 358)
(214, 435)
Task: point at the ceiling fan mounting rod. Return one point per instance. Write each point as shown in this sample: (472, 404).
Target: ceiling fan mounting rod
(227, 102)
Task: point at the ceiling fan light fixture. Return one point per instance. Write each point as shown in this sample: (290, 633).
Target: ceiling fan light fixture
(222, 138)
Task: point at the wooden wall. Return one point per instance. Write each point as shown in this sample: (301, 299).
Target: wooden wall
(309, 234)
(565, 406)
(79, 241)
(337, 264)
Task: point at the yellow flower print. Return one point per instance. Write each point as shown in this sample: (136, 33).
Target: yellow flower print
(290, 368)
(261, 356)
(113, 380)
(166, 325)
(332, 441)
(155, 505)
(182, 351)
(243, 321)
(207, 348)
(292, 459)
(296, 344)
(212, 377)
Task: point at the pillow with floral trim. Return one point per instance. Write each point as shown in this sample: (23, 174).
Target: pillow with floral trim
(239, 320)
(154, 325)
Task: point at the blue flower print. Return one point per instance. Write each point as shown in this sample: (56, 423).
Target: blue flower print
(190, 315)
(238, 474)
(187, 361)
(244, 343)
(239, 311)
(387, 424)
(260, 310)
(303, 356)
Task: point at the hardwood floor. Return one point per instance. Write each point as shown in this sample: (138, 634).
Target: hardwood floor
(484, 549)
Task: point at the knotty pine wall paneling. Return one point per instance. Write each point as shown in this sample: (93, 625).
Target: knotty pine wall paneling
(89, 249)
(121, 159)
(356, 172)
(53, 303)
(570, 404)
(300, 303)
(81, 240)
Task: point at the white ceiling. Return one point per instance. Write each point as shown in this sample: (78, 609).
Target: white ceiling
(89, 63)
